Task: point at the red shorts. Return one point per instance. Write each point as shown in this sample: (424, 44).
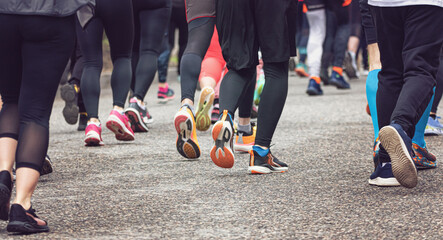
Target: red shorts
(213, 65)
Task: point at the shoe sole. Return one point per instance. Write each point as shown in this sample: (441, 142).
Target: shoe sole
(243, 148)
(202, 118)
(301, 72)
(136, 121)
(403, 166)
(259, 170)
(93, 139)
(184, 143)
(431, 131)
(313, 92)
(338, 85)
(279, 169)
(384, 182)
(221, 153)
(71, 110)
(24, 227)
(5, 198)
(164, 100)
(121, 132)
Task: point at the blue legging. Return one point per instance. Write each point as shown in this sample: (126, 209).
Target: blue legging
(371, 93)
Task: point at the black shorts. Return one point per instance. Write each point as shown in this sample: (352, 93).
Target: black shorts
(245, 26)
(199, 8)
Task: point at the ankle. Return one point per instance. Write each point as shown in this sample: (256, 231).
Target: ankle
(94, 120)
(26, 204)
(262, 151)
(118, 108)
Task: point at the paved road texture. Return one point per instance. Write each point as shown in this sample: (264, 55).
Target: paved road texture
(146, 190)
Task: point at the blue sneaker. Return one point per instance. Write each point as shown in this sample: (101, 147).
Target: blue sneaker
(399, 147)
(314, 88)
(433, 127)
(383, 176)
(338, 81)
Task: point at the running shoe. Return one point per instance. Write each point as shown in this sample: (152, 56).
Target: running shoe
(215, 114)
(5, 194)
(399, 147)
(137, 114)
(82, 122)
(266, 164)
(302, 70)
(186, 143)
(119, 124)
(375, 150)
(47, 166)
(433, 127)
(350, 66)
(202, 118)
(222, 133)
(314, 88)
(338, 81)
(93, 135)
(25, 221)
(69, 93)
(165, 94)
(423, 158)
(383, 176)
(244, 140)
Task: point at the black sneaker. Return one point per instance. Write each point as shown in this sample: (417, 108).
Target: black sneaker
(69, 93)
(25, 221)
(266, 164)
(47, 166)
(82, 122)
(5, 194)
(137, 116)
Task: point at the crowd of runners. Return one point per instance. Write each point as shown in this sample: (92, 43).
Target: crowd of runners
(239, 53)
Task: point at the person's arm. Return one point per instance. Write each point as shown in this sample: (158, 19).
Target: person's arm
(368, 23)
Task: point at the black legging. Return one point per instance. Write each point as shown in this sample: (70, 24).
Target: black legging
(115, 17)
(178, 20)
(33, 56)
(439, 87)
(200, 33)
(151, 21)
(234, 88)
(76, 69)
(337, 35)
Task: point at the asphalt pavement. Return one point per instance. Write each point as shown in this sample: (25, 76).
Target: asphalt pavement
(146, 190)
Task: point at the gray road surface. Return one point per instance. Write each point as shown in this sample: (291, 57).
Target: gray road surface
(146, 190)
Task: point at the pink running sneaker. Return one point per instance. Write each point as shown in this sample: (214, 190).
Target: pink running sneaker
(93, 135)
(119, 124)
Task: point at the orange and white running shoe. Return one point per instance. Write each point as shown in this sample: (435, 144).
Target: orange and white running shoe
(222, 133)
(244, 141)
(187, 144)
